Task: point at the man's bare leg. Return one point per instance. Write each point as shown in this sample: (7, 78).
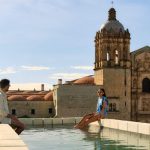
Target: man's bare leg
(19, 126)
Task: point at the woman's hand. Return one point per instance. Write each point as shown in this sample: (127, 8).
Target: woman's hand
(99, 116)
(94, 113)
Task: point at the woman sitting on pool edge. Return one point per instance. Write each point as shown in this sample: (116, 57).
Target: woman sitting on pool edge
(101, 112)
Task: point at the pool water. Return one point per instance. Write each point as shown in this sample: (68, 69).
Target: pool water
(68, 138)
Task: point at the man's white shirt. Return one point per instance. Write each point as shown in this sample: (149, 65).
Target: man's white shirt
(4, 108)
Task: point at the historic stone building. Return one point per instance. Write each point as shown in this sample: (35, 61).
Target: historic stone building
(31, 104)
(112, 72)
(140, 82)
(75, 98)
(112, 64)
(124, 75)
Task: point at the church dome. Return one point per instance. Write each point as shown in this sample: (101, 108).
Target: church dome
(112, 25)
(35, 98)
(49, 96)
(85, 80)
(16, 98)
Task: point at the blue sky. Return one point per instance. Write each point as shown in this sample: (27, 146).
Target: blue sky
(43, 40)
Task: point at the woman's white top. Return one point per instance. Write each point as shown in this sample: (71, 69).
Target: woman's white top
(99, 103)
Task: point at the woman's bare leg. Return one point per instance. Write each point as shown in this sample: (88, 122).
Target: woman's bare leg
(86, 117)
(92, 119)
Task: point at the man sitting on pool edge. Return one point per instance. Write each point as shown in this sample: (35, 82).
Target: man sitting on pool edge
(5, 116)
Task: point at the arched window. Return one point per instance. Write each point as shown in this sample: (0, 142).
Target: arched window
(146, 85)
(33, 111)
(114, 106)
(50, 110)
(110, 107)
(13, 111)
(108, 56)
(116, 57)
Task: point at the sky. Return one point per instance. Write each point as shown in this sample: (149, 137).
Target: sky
(42, 41)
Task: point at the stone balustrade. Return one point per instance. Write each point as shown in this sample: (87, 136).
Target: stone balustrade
(9, 140)
(130, 126)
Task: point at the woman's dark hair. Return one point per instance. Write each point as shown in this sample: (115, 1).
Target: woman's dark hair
(101, 89)
(4, 83)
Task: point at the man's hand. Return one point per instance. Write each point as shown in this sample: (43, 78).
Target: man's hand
(8, 115)
(11, 116)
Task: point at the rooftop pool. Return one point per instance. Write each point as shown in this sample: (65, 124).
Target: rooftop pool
(68, 138)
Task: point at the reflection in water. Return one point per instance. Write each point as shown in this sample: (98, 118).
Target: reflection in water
(110, 139)
(68, 138)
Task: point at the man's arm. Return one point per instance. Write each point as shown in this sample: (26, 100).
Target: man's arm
(3, 107)
(3, 113)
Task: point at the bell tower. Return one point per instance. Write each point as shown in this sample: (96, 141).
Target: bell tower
(112, 61)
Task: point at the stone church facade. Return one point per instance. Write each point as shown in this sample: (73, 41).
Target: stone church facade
(124, 75)
(140, 84)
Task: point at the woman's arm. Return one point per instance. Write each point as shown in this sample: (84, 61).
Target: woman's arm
(103, 108)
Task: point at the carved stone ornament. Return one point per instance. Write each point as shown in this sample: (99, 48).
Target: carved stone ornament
(146, 66)
(134, 83)
(145, 104)
(147, 57)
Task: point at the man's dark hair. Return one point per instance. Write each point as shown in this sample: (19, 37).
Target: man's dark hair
(4, 83)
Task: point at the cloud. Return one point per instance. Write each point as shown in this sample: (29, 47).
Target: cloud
(67, 76)
(8, 70)
(82, 67)
(35, 68)
(29, 86)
